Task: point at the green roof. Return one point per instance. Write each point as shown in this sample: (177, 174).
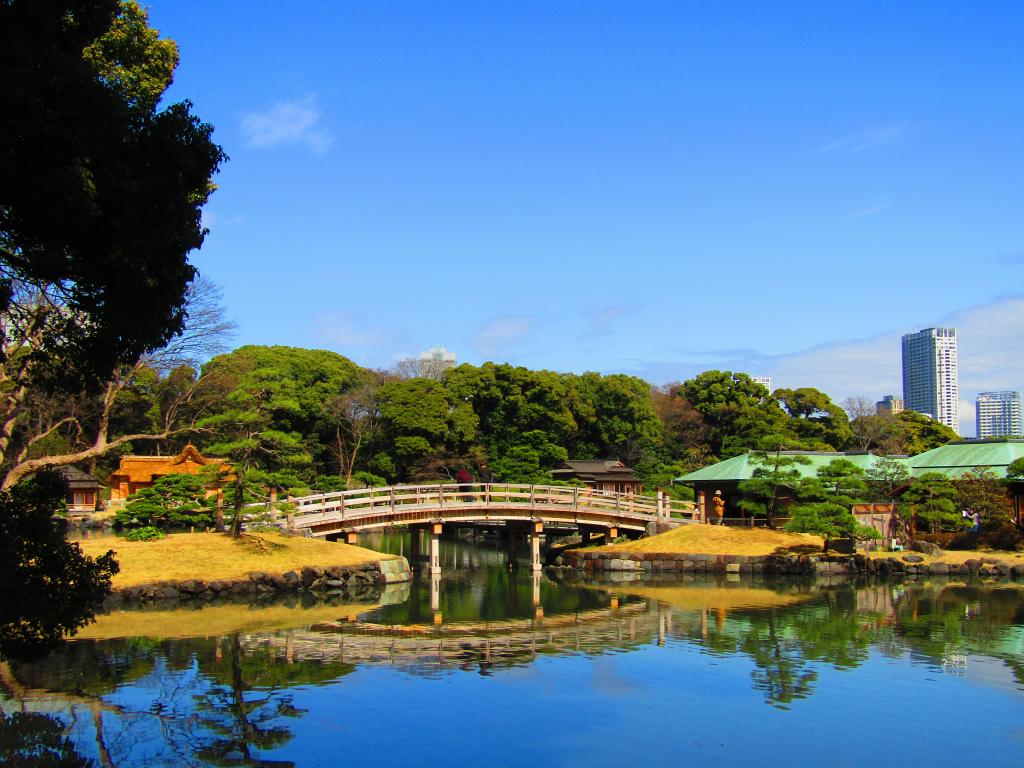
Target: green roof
(956, 458)
(953, 460)
(742, 468)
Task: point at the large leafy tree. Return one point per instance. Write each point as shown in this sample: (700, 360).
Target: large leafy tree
(981, 491)
(817, 421)
(737, 412)
(100, 198)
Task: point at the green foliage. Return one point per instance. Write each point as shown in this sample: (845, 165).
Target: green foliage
(146, 533)
(54, 588)
(737, 413)
(100, 193)
(819, 423)
(916, 433)
(979, 490)
(885, 478)
(932, 497)
(825, 503)
(1015, 471)
(173, 501)
(776, 476)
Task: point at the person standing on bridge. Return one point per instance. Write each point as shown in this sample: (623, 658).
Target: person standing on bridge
(464, 479)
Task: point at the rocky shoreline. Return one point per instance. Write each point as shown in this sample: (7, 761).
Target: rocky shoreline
(909, 564)
(347, 582)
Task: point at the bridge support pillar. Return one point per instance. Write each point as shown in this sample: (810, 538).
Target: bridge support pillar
(351, 537)
(435, 549)
(613, 533)
(535, 551)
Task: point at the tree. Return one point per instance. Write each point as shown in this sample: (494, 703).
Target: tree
(932, 498)
(979, 490)
(172, 501)
(826, 503)
(737, 412)
(817, 421)
(55, 588)
(100, 198)
(885, 479)
(1015, 471)
(352, 419)
(247, 433)
(774, 473)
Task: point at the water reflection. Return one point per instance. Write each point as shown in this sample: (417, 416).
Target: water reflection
(236, 697)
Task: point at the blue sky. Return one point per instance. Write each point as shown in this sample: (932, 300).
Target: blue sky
(655, 188)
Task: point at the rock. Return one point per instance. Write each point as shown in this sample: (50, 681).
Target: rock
(311, 573)
(913, 559)
(732, 567)
(291, 579)
(924, 546)
(938, 569)
(973, 564)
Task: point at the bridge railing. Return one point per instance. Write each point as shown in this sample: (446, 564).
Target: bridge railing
(398, 499)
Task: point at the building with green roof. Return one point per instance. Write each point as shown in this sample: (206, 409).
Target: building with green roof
(953, 460)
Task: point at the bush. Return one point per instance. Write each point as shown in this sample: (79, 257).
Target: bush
(966, 540)
(1006, 537)
(146, 533)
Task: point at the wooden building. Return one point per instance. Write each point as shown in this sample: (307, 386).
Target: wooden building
(138, 472)
(83, 490)
(601, 474)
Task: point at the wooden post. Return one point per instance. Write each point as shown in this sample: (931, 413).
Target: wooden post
(535, 564)
(613, 533)
(351, 537)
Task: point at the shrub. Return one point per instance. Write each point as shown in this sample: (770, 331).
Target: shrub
(1005, 537)
(172, 501)
(146, 533)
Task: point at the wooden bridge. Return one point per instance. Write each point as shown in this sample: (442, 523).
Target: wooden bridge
(519, 508)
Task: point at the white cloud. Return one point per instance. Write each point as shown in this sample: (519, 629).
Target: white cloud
(288, 122)
(869, 210)
(342, 330)
(990, 345)
(501, 333)
(602, 319)
(872, 137)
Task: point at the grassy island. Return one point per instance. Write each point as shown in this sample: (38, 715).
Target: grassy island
(208, 556)
(719, 540)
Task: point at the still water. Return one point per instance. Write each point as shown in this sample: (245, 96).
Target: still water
(488, 667)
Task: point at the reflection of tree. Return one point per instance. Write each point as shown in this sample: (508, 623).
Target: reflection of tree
(238, 720)
(782, 671)
(34, 740)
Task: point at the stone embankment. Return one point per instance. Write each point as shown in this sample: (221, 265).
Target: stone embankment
(353, 581)
(654, 563)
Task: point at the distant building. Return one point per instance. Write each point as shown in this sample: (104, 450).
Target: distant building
(601, 474)
(1000, 414)
(930, 382)
(83, 490)
(764, 381)
(889, 405)
(435, 361)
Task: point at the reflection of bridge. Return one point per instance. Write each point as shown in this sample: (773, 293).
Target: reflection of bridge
(510, 641)
(526, 509)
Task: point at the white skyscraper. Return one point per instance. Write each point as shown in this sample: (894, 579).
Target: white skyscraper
(1000, 414)
(930, 375)
(764, 381)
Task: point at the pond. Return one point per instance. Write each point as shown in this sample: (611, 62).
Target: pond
(492, 667)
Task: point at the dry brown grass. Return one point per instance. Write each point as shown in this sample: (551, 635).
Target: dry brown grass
(720, 540)
(217, 556)
(214, 620)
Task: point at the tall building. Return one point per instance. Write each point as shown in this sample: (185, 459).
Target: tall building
(889, 405)
(764, 381)
(435, 361)
(1000, 414)
(930, 375)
